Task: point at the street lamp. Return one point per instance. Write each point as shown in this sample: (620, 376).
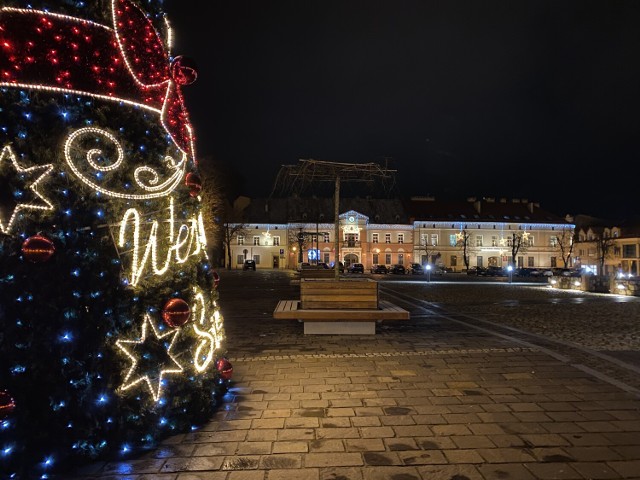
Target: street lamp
(510, 271)
(428, 273)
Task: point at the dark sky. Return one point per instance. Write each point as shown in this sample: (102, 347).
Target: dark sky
(527, 99)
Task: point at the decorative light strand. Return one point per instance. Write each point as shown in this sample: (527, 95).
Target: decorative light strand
(155, 189)
(29, 65)
(194, 239)
(130, 380)
(210, 334)
(45, 170)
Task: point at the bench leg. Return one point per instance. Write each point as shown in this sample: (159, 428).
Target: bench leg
(339, 328)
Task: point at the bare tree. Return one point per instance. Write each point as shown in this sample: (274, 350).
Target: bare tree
(564, 244)
(519, 243)
(299, 238)
(463, 242)
(231, 231)
(604, 247)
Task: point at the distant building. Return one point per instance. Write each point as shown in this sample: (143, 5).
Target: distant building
(283, 232)
(607, 247)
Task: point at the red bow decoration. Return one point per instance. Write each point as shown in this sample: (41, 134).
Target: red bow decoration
(48, 51)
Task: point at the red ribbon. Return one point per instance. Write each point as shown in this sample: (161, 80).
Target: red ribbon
(45, 51)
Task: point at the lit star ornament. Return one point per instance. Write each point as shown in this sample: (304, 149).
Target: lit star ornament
(38, 174)
(137, 350)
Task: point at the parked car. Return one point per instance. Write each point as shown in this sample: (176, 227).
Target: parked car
(438, 270)
(416, 269)
(356, 268)
(323, 265)
(495, 271)
(480, 271)
(379, 269)
(340, 266)
(397, 269)
(249, 265)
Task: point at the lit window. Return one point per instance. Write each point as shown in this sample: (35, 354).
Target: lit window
(240, 239)
(256, 240)
(276, 240)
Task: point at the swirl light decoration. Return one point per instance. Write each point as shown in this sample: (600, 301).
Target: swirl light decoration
(98, 159)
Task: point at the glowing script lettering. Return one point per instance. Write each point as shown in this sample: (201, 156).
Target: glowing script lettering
(189, 241)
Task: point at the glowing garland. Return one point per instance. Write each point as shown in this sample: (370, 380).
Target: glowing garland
(194, 239)
(161, 96)
(153, 188)
(7, 152)
(130, 382)
(211, 334)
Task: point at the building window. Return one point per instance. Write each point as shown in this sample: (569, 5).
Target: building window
(553, 241)
(454, 261)
(240, 239)
(375, 258)
(494, 240)
(387, 238)
(520, 262)
(554, 262)
(479, 261)
(401, 258)
(326, 237)
(276, 240)
(256, 240)
(326, 257)
(453, 240)
(387, 258)
(374, 238)
(629, 251)
(401, 238)
(240, 259)
(434, 239)
(257, 259)
(529, 242)
(478, 240)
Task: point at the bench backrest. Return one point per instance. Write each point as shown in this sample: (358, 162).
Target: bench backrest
(323, 293)
(317, 273)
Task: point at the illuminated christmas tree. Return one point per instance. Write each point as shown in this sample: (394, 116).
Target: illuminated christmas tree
(111, 337)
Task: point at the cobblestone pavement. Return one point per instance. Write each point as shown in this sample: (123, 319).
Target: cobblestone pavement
(487, 380)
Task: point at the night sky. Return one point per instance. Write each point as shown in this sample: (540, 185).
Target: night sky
(527, 99)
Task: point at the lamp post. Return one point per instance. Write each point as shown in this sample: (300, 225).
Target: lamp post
(428, 273)
(510, 271)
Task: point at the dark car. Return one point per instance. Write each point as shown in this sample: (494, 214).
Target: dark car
(480, 271)
(495, 271)
(356, 268)
(249, 265)
(439, 270)
(416, 269)
(397, 269)
(379, 269)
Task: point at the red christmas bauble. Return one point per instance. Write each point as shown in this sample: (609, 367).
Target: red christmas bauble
(38, 248)
(183, 70)
(194, 182)
(216, 279)
(176, 312)
(225, 368)
(7, 404)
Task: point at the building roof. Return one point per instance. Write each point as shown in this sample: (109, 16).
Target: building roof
(480, 210)
(296, 209)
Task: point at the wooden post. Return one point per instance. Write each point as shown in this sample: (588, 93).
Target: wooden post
(336, 214)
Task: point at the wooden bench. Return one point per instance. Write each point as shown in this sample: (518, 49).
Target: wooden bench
(317, 273)
(339, 307)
